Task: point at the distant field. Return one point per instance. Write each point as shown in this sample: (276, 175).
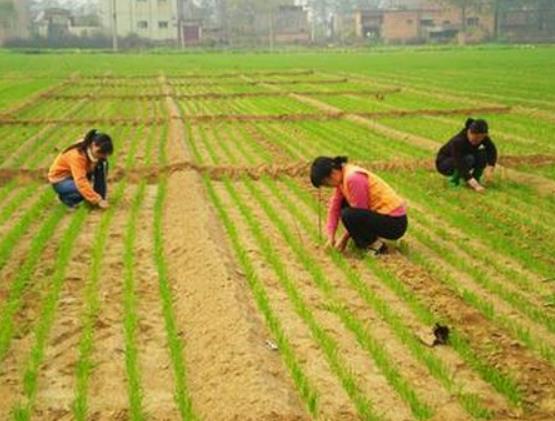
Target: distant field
(204, 291)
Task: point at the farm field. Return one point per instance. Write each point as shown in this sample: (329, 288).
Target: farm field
(204, 292)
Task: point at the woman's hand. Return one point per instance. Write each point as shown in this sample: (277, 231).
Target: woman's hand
(488, 174)
(103, 204)
(342, 244)
(330, 243)
(476, 185)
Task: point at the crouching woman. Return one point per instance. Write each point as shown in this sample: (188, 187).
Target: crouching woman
(80, 172)
(368, 207)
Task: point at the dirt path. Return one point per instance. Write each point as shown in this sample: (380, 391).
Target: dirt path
(154, 357)
(231, 374)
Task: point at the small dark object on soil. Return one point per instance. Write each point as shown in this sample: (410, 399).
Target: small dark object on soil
(441, 334)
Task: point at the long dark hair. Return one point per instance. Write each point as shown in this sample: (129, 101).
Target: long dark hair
(323, 166)
(102, 140)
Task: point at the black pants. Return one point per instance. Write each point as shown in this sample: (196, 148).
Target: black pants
(476, 163)
(365, 226)
(100, 179)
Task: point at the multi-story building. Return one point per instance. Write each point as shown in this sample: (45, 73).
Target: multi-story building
(14, 20)
(157, 20)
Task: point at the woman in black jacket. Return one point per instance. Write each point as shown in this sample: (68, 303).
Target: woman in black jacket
(468, 155)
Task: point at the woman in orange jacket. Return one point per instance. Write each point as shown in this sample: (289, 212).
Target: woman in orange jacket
(368, 207)
(80, 172)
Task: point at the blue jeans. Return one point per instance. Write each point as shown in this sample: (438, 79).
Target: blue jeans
(68, 192)
(70, 195)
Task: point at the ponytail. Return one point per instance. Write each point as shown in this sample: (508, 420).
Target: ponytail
(323, 166)
(338, 161)
(103, 141)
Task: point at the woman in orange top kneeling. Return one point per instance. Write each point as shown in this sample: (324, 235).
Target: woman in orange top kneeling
(368, 207)
(80, 172)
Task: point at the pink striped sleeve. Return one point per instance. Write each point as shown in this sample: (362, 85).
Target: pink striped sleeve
(334, 211)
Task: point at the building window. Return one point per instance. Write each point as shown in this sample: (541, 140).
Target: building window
(142, 24)
(472, 21)
(163, 24)
(447, 22)
(141, 1)
(409, 21)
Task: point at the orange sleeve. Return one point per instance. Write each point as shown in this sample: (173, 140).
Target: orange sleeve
(79, 173)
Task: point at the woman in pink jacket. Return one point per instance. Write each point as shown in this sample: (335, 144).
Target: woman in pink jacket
(368, 207)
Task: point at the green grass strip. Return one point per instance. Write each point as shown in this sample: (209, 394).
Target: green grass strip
(501, 383)
(419, 409)
(22, 410)
(10, 239)
(15, 202)
(6, 189)
(483, 306)
(130, 319)
(85, 364)
(91, 299)
(327, 343)
(448, 207)
(512, 298)
(521, 281)
(25, 272)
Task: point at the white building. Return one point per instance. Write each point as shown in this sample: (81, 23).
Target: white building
(14, 19)
(152, 19)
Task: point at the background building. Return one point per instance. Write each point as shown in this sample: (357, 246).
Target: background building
(535, 23)
(156, 20)
(58, 23)
(291, 25)
(436, 24)
(422, 21)
(14, 20)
